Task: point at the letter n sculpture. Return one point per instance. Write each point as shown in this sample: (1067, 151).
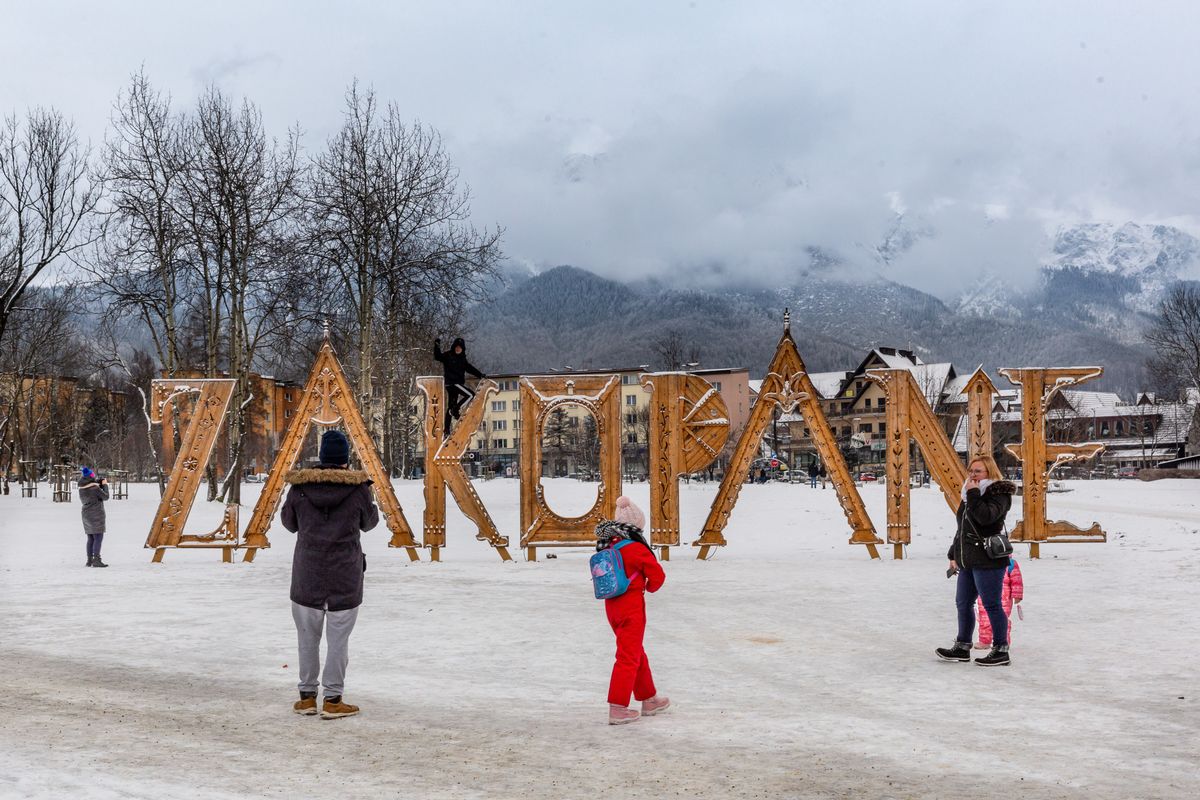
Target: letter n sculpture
(444, 469)
(195, 449)
(540, 397)
(328, 401)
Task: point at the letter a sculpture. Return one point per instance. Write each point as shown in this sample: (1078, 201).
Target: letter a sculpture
(328, 401)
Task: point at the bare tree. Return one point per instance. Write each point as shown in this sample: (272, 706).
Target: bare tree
(237, 197)
(1175, 336)
(45, 195)
(390, 222)
(139, 264)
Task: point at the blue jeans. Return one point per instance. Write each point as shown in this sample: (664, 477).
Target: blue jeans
(812, 481)
(987, 585)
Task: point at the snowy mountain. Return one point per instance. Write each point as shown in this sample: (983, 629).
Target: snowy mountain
(1130, 265)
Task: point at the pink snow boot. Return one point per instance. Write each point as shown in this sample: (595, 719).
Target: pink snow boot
(621, 715)
(655, 705)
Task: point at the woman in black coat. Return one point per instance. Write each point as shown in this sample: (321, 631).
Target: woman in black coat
(986, 501)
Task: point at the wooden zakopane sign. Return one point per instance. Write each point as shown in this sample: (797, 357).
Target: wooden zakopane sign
(910, 417)
(788, 386)
(540, 397)
(195, 449)
(689, 424)
(444, 469)
(1038, 388)
(328, 401)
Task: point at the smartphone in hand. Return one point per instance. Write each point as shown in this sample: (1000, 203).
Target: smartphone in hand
(951, 572)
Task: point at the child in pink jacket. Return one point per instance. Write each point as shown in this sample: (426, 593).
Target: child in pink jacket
(1013, 591)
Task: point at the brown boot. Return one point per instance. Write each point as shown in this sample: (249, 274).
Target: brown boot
(306, 705)
(333, 707)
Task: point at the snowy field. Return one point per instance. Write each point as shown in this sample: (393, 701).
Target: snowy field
(797, 667)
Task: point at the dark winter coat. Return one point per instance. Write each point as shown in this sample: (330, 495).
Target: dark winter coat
(328, 507)
(92, 494)
(980, 517)
(454, 365)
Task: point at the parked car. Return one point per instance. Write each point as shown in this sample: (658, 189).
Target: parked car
(254, 477)
(1127, 472)
(867, 477)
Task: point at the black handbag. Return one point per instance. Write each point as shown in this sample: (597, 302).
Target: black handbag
(995, 546)
(998, 546)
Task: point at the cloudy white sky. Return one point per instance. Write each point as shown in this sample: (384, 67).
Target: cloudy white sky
(684, 138)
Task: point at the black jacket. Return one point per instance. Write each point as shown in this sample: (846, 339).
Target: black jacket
(980, 517)
(454, 365)
(328, 507)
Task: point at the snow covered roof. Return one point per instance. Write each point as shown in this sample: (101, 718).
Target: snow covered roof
(1098, 404)
(827, 383)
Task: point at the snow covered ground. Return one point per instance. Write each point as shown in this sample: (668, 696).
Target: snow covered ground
(797, 666)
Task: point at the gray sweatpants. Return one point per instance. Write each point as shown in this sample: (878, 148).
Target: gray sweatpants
(338, 624)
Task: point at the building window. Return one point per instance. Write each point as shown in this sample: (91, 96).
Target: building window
(882, 403)
(287, 397)
(631, 419)
(1104, 428)
(631, 438)
(864, 427)
(806, 433)
(572, 422)
(502, 444)
(867, 403)
(516, 406)
(631, 399)
(882, 428)
(1120, 427)
(717, 385)
(499, 405)
(845, 408)
(287, 414)
(627, 380)
(499, 424)
(845, 430)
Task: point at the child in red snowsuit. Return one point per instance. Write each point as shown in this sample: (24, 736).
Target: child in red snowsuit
(1013, 591)
(627, 616)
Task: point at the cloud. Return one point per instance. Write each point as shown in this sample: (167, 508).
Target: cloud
(692, 141)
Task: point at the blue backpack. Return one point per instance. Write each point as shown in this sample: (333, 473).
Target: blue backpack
(608, 572)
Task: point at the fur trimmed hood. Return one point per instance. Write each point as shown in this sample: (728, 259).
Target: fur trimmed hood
(348, 477)
(1002, 487)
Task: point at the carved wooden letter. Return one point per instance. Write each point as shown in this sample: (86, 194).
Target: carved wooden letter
(540, 396)
(328, 401)
(689, 424)
(187, 474)
(444, 469)
(787, 385)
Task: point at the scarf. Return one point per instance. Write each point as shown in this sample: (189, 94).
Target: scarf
(983, 486)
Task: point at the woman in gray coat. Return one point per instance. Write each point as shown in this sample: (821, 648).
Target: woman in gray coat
(93, 491)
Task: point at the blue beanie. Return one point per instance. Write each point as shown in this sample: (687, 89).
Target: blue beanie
(335, 448)
(87, 472)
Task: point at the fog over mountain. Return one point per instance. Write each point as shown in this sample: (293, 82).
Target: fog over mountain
(1097, 283)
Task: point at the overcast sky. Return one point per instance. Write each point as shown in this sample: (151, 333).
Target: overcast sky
(701, 138)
